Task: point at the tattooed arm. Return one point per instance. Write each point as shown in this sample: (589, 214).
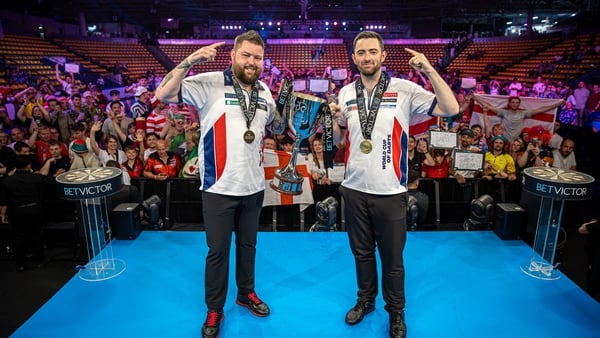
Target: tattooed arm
(171, 84)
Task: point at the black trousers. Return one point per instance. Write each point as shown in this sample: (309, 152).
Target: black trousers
(28, 229)
(224, 215)
(377, 221)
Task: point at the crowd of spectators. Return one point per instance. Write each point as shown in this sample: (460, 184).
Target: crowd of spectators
(154, 140)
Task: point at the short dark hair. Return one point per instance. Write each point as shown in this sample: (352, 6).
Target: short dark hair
(250, 36)
(368, 35)
(113, 164)
(152, 134)
(23, 161)
(78, 126)
(413, 176)
(115, 102)
(20, 145)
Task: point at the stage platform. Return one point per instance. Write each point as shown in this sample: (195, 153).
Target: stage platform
(458, 284)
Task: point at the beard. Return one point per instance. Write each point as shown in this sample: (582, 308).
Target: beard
(369, 72)
(240, 73)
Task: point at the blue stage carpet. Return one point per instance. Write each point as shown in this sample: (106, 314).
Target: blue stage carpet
(458, 284)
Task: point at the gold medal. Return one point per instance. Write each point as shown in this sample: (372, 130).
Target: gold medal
(366, 146)
(249, 136)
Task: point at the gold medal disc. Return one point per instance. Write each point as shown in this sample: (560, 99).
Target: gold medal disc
(366, 146)
(249, 136)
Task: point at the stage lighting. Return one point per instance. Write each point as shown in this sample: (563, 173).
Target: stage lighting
(152, 212)
(482, 209)
(412, 213)
(326, 215)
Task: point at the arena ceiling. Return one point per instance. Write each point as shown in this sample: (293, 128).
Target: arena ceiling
(151, 12)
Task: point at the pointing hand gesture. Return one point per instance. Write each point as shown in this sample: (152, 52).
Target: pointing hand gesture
(419, 61)
(205, 54)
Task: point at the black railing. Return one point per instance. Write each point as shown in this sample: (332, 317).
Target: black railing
(181, 201)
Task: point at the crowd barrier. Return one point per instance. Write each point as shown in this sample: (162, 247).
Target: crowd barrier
(449, 202)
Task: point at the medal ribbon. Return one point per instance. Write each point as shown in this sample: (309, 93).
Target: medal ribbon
(367, 122)
(250, 110)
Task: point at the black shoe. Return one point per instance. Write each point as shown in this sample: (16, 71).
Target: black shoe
(211, 326)
(397, 326)
(358, 312)
(254, 304)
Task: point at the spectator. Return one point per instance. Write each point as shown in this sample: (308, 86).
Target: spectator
(62, 119)
(157, 120)
(568, 115)
(68, 84)
(439, 167)
(115, 96)
(112, 151)
(133, 164)
(83, 157)
(564, 157)
(20, 202)
(581, 94)
(269, 143)
(162, 164)
(513, 115)
(499, 164)
(7, 160)
(60, 163)
(120, 120)
(140, 107)
(151, 140)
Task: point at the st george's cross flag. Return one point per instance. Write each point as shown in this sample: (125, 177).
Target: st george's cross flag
(420, 124)
(544, 120)
(275, 159)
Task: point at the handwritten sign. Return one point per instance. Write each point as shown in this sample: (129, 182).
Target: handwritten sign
(467, 160)
(71, 68)
(299, 85)
(339, 74)
(443, 139)
(319, 85)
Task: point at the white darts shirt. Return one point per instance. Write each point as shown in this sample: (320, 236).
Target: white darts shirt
(384, 171)
(226, 163)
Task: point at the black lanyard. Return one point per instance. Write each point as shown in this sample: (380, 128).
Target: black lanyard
(367, 122)
(250, 110)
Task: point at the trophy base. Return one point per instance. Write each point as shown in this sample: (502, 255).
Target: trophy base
(287, 185)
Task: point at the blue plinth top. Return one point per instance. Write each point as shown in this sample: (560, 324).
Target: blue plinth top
(87, 183)
(558, 183)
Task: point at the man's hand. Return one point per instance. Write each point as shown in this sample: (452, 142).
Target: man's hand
(205, 54)
(419, 61)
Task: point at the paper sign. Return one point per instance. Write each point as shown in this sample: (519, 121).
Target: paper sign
(339, 74)
(299, 85)
(319, 85)
(71, 68)
(467, 160)
(443, 139)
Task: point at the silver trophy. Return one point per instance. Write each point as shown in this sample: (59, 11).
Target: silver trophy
(303, 113)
